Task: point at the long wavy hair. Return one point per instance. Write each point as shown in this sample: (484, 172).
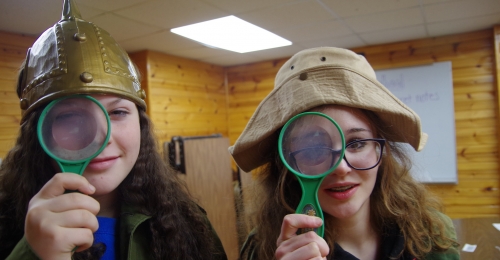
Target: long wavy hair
(397, 199)
(179, 228)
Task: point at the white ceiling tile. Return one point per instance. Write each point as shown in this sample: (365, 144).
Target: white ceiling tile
(239, 6)
(463, 25)
(200, 52)
(277, 53)
(173, 13)
(314, 31)
(362, 7)
(163, 42)
(89, 12)
(460, 9)
(145, 24)
(121, 28)
(283, 16)
(394, 35)
(426, 2)
(347, 41)
(26, 16)
(384, 21)
(108, 5)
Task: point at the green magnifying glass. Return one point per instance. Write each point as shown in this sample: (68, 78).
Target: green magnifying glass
(73, 130)
(311, 145)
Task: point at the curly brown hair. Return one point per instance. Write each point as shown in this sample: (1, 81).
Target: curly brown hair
(179, 228)
(397, 199)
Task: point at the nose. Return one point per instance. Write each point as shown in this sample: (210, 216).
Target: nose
(342, 169)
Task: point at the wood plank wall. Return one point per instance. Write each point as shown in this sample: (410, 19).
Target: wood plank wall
(476, 104)
(185, 97)
(13, 49)
(189, 98)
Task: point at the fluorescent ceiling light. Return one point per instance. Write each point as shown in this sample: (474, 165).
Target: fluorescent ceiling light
(231, 33)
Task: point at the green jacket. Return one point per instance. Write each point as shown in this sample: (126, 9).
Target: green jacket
(134, 240)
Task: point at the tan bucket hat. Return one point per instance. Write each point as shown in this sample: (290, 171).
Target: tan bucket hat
(315, 77)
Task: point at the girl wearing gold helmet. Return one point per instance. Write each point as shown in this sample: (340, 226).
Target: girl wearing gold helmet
(128, 199)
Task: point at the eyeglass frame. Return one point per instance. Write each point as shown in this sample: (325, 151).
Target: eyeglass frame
(378, 140)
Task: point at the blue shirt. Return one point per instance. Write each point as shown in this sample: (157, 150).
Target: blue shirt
(106, 235)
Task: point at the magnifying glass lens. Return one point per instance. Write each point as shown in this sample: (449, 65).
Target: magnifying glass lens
(312, 145)
(74, 129)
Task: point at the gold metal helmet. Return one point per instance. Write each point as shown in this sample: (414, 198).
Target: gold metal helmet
(76, 57)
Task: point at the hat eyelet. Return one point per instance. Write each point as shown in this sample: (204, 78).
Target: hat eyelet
(323, 59)
(292, 67)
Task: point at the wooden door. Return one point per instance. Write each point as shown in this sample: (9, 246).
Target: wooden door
(210, 181)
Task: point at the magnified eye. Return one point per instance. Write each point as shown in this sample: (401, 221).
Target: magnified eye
(69, 117)
(73, 129)
(312, 156)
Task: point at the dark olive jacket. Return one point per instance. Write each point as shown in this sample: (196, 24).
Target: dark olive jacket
(392, 246)
(134, 237)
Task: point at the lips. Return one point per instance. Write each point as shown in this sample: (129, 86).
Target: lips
(103, 163)
(341, 188)
(342, 191)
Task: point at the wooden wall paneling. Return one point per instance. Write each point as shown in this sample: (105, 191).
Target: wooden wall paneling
(248, 85)
(209, 179)
(496, 49)
(13, 49)
(187, 97)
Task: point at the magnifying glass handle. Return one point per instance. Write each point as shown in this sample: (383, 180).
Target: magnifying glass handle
(309, 203)
(77, 168)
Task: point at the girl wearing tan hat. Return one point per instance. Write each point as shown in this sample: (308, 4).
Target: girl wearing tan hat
(128, 204)
(372, 207)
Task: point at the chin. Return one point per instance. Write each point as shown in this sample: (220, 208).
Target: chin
(103, 188)
(343, 211)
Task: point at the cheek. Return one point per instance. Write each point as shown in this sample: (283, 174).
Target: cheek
(134, 141)
(128, 137)
(370, 177)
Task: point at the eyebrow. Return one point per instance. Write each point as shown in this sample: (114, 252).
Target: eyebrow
(114, 102)
(357, 130)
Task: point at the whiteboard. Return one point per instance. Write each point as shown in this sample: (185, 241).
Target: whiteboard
(428, 90)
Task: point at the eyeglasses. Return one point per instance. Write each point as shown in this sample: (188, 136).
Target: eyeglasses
(361, 154)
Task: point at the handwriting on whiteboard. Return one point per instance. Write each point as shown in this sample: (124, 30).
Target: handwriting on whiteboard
(397, 84)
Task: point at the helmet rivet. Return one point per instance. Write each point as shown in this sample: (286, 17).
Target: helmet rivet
(86, 77)
(80, 37)
(24, 104)
(141, 93)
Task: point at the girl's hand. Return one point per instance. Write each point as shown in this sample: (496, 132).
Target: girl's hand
(59, 222)
(304, 246)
